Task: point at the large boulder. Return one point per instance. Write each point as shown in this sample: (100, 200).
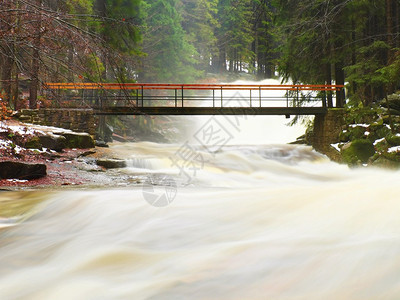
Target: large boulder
(393, 140)
(32, 142)
(19, 170)
(110, 163)
(102, 144)
(53, 142)
(358, 151)
(78, 140)
(387, 163)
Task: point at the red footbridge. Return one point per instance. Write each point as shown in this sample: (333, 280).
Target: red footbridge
(192, 99)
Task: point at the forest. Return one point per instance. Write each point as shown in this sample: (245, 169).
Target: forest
(352, 42)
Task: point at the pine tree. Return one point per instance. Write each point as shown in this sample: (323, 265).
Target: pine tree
(170, 57)
(200, 22)
(234, 35)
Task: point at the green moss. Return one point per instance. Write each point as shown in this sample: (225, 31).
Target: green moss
(33, 143)
(382, 131)
(344, 136)
(382, 146)
(384, 162)
(79, 140)
(377, 131)
(357, 132)
(393, 140)
(359, 151)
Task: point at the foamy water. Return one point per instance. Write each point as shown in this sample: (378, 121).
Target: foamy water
(257, 222)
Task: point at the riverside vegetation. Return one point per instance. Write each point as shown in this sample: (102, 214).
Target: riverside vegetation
(369, 136)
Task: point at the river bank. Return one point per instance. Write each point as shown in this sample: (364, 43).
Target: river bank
(360, 136)
(64, 167)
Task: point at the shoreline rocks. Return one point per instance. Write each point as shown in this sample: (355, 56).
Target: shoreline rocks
(358, 137)
(21, 170)
(111, 163)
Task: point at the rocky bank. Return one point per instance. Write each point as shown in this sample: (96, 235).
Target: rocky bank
(360, 136)
(41, 156)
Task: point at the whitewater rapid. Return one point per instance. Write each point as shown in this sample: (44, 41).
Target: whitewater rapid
(257, 222)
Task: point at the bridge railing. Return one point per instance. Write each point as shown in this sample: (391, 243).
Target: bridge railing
(103, 95)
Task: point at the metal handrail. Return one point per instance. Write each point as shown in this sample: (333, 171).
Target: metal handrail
(171, 86)
(134, 94)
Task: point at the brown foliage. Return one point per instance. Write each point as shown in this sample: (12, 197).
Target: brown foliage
(5, 112)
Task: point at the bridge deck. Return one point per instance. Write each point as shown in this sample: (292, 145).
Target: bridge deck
(193, 99)
(211, 111)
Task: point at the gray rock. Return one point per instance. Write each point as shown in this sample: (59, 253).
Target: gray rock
(33, 142)
(78, 140)
(19, 170)
(87, 153)
(102, 144)
(111, 163)
(53, 142)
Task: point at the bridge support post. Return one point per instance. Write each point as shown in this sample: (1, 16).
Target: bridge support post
(182, 95)
(326, 131)
(176, 98)
(222, 101)
(213, 98)
(142, 95)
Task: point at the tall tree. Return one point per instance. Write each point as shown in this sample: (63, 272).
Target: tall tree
(35, 64)
(169, 54)
(315, 34)
(6, 48)
(118, 27)
(199, 20)
(265, 42)
(234, 35)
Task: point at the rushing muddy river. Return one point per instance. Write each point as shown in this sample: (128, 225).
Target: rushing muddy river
(244, 222)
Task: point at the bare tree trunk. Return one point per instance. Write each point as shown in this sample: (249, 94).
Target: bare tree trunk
(389, 26)
(102, 10)
(35, 65)
(328, 69)
(339, 77)
(6, 73)
(6, 58)
(15, 92)
(389, 32)
(328, 81)
(396, 22)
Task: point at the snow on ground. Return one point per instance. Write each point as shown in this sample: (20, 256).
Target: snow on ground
(378, 141)
(394, 149)
(55, 130)
(359, 125)
(20, 129)
(9, 144)
(32, 129)
(337, 146)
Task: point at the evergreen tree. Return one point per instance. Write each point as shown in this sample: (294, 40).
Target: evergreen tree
(200, 22)
(265, 42)
(170, 57)
(314, 42)
(118, 27)
(234, 35)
